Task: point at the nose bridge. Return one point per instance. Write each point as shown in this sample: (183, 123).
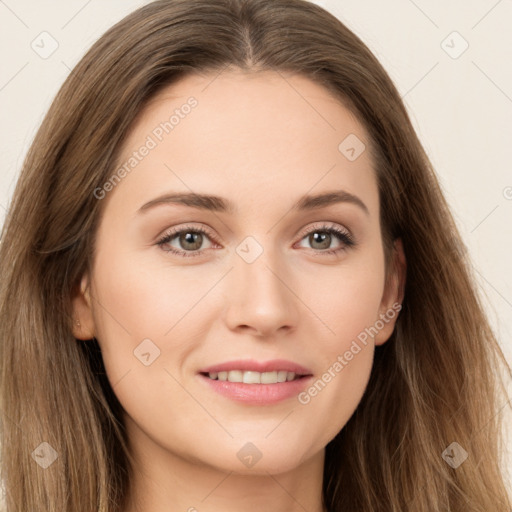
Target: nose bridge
(259, 296)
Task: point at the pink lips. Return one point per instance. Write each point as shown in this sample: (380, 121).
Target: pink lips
(258, 394)
(248, 365)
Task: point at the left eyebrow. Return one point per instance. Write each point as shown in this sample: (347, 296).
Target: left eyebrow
(311, 202)
(220, 204)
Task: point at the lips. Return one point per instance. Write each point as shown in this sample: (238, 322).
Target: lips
(258, 366)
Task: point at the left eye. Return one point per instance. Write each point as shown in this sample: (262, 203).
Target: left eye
(191, 240)
(324, 236)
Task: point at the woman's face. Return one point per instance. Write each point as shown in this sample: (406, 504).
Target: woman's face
(264, 279)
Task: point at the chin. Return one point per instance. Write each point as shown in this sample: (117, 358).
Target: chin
(249, 460)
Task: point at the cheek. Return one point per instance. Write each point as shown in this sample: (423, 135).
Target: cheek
(142, 310)
(348, 307)
(143, 298)
(346, 350)
(349, 301)
(144, 328)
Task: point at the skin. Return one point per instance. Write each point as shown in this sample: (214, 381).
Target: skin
(261, 140)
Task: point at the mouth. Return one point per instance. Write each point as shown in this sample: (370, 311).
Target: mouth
(256, 382)
(253, 377)
(255, 388)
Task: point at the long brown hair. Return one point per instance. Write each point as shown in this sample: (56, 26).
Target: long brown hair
(437, 379)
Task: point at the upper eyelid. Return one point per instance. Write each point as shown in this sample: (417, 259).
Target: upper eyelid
(175, 231)
(323, 225)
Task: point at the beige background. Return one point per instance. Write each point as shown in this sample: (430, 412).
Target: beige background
(460, 103)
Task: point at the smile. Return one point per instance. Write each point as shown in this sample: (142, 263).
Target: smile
(255, 392)
(252, 377)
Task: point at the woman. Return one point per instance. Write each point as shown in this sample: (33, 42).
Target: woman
(174, 339)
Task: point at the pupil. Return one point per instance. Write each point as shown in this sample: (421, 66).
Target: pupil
(188, 238)
(322, 238)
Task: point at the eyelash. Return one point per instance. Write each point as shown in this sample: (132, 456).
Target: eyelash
(343, 236)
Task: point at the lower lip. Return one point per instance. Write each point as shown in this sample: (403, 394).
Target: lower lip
(258, 394)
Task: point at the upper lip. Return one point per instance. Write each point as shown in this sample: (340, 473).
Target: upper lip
(257, 366)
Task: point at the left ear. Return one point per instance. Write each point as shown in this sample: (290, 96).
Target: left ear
(393, 294)
(83, 323)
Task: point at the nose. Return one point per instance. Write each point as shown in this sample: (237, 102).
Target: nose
(260, 297)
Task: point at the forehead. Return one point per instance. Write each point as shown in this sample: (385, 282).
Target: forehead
(242, 95)
(257, 103)
(269, 132)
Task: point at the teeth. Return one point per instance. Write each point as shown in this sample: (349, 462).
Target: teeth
(253, 377)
